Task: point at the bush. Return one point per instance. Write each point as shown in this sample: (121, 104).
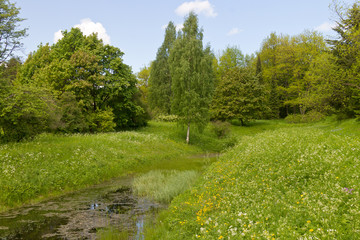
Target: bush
(221, 129)
(102, 121)
(312, 116)
(26, 112)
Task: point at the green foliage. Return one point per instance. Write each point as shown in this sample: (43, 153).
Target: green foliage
(97, 89)
(25, 112)
(285, 61)
(167, 118)
(72, 119)
(160, 82)
(10, 35)
(346, 50)
(231, 58)
(312, 116)
(164, 185)
(192, 76)
(287, 184)
(239, 95)
(143, 83)
(221, 129)
(101, 121)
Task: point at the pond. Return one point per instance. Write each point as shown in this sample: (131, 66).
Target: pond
(82, 214)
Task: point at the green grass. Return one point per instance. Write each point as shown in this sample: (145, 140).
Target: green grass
(207, 141)
(53, 164)
(288, 183)
(112, 234)
(163, 185)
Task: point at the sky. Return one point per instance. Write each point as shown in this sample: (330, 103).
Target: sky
(137, 27)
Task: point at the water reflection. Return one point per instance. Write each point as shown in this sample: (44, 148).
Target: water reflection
(80, 215)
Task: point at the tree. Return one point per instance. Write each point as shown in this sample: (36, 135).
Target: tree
(346, 50)
(285, 61)
(239, 95)
(231, 57)
(143, 83)
(104, 87)
(192, 76)
(10, 35)
(160, 82)
(26, 111)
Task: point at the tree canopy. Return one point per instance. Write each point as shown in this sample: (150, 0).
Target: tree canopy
(10, 34)
(192, 75)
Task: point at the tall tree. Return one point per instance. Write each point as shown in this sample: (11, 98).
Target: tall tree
(192, 76)
(160, 82)
(346, 48)
(10, 34)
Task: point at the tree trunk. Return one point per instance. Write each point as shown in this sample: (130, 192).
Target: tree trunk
(188, 134)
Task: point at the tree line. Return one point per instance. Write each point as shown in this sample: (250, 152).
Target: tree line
(76, 85)
(301, 78)
(79, 84)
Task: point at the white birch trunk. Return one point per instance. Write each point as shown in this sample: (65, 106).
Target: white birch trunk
(188, 134)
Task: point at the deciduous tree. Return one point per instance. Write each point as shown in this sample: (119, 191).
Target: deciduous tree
(192, 76)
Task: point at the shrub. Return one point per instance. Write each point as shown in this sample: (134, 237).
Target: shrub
(221, 129)
(26, 112)
(102, 121)
(312, 116)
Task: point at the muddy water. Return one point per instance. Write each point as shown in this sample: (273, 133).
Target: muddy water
(82, 214)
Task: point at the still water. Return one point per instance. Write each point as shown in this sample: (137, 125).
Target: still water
(82, 214)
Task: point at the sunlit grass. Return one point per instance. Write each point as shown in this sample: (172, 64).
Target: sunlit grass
(53, 164)
(292, 183)
(164, 185)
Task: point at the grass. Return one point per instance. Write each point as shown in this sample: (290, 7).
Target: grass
(163, 185)
(297, 182)
(207, 140)
(53, 164)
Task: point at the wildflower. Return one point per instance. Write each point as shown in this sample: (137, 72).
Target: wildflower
(221, 237)
(308, 221)
(311, 230)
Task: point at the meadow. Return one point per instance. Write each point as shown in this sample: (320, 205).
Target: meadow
(300, 182)
(273, 180)
(50, 165)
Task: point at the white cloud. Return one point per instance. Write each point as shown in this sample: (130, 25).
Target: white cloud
(325, 27)
(198, 6)
(88, 27)
(234, 31)
(57, 36)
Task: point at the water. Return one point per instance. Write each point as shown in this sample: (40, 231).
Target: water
(82, 214)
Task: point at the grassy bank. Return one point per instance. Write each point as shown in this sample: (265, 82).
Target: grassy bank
(290, 183)
(52, 164)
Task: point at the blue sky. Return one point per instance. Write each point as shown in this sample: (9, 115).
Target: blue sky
(137, 26)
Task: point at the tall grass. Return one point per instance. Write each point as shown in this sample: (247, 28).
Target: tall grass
(52, 164)
(293, 183)
(164, 185)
